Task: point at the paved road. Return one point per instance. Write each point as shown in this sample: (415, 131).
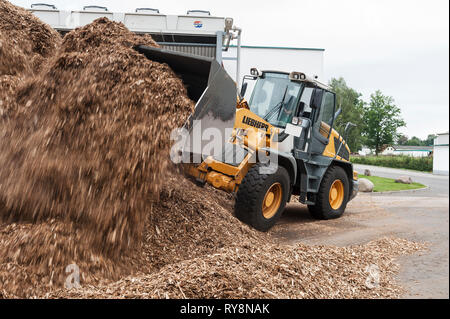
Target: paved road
(438, 184)
(420, 215)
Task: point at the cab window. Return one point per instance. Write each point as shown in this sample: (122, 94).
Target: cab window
(305, 102)
(275, 98)
(326, 114)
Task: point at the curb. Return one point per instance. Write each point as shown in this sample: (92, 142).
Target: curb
(401, 169)
(403, 191)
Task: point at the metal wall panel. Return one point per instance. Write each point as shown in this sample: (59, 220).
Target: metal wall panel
(195, 49)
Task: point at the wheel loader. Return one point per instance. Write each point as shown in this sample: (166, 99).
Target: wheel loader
(279, 143)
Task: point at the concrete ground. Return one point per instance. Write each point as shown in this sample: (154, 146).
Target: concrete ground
(420, 215)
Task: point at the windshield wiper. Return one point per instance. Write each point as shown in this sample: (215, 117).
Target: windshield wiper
(277, 106)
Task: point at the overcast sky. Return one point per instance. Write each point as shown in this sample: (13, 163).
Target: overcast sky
(400, 47)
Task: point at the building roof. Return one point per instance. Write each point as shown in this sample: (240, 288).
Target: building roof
(405, 148)
(277, 48)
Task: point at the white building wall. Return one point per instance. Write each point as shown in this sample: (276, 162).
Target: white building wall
(441, 155)
(412, 153)
(388, 151)
(309, 61)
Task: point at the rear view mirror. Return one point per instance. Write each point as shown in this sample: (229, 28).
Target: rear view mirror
(349, 126)
(316, 99)
(243, 89)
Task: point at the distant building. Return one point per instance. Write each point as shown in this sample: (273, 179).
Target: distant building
(365, 151)
(388, 150)
(441, 154)
(414, 151)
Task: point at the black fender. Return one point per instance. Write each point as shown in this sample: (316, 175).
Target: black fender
(287, 161)
(348, 168)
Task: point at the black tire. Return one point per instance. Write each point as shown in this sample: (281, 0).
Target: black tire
(251, 194)
(323, 209)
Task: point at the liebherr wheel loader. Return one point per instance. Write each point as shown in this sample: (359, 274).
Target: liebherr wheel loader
(278, 144)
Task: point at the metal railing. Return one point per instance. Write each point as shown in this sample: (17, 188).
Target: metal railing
(43, 5)
(147, 9)
(95, 7)
(189, 12)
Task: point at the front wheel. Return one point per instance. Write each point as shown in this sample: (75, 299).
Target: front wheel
(261, 198)
(333, 195)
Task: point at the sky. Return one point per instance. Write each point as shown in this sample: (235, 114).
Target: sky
(400, 47)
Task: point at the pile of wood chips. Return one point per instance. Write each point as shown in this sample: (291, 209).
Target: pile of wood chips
(84, 149)
(268, 271)
(25, 43)
(85, 179)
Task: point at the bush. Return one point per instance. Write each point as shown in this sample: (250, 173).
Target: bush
(424, 164)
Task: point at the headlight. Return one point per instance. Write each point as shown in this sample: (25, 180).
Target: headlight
(255, 72)
(297, 76)
(296, 121)
(241, 132)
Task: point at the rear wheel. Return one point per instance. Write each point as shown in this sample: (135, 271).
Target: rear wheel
(261, 198)
(333, 195)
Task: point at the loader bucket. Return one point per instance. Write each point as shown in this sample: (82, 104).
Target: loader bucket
(213, 90)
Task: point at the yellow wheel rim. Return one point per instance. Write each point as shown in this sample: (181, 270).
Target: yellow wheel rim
(272, 200)
(336, 196)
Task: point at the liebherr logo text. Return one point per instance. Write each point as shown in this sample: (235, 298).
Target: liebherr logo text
(246, 308)
(254, 123)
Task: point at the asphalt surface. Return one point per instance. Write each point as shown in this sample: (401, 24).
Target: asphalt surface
(438, 185)
(419, 215)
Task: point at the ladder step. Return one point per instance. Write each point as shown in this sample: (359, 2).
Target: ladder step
(317, 163)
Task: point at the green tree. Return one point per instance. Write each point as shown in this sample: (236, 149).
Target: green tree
(382, 119)
(430, 140)
(415, 141)
(352, 111)
(402, 139)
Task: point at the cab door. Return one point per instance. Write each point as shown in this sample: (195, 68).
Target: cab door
(304, 115)
(324, 104)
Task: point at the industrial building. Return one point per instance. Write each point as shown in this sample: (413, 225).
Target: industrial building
(441, 154)
(194, 32)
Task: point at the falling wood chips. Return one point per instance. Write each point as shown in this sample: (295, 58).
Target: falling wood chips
(85, 178)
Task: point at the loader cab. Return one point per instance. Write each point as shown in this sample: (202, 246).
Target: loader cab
(285, 99)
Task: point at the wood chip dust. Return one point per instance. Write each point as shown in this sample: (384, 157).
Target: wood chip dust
(85, 178)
